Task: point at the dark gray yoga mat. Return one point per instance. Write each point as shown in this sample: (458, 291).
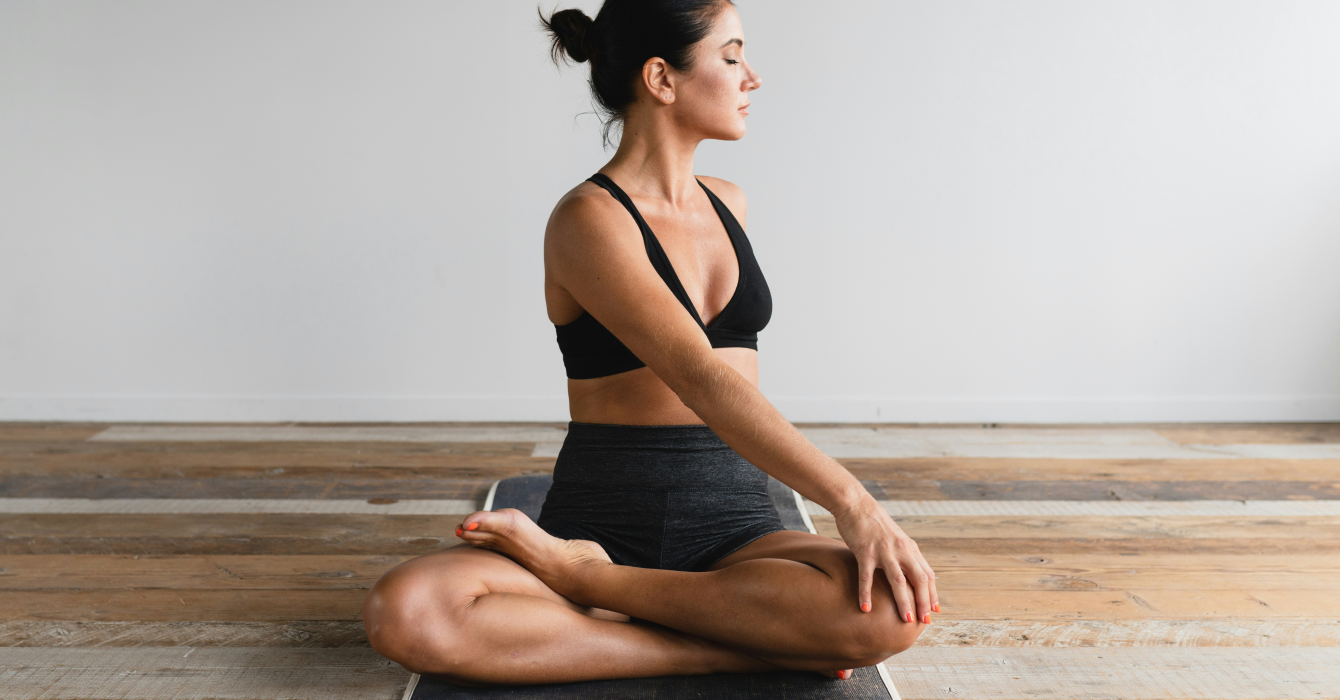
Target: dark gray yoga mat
(526, 493)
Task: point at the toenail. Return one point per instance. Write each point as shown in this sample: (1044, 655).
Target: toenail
(472, 526)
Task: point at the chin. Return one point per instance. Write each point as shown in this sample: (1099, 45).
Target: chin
(734, 133)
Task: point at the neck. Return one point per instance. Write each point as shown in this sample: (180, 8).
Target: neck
(655, 160)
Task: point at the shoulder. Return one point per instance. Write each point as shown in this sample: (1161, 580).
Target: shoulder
(729, 193)
(587, 219)
(588, 208)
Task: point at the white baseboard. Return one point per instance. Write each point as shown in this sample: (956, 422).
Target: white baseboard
(555, 408)
(1180, 409)
(246, 409)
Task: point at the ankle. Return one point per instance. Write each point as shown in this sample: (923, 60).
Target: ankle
(581, 581)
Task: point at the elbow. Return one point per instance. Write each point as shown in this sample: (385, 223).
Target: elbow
(699, 380)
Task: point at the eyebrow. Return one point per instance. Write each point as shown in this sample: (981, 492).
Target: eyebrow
(740, 42)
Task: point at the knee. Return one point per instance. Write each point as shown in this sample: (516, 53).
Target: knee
(408, 618)
(867, 638)
(875, 637)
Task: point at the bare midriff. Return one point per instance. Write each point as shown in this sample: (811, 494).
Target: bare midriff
(639, 397)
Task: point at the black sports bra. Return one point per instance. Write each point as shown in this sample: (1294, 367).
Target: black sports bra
(590, 350)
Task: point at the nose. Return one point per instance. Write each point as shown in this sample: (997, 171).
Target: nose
(752, 81)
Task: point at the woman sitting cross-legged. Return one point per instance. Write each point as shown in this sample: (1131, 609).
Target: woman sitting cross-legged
(658, 551)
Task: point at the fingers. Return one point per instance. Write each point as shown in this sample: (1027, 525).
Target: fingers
(935, 595)
(921, 589)
(903, 596)
(926, 575)
(865, 576)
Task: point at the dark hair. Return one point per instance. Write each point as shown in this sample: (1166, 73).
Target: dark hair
(618, 42)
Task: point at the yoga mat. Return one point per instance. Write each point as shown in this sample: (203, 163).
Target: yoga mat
(526, 493)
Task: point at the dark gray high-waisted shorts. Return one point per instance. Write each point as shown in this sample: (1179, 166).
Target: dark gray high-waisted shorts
(657, 497)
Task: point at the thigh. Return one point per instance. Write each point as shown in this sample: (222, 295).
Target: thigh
(823, 553)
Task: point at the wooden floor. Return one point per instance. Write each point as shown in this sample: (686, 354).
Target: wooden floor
(231, 561)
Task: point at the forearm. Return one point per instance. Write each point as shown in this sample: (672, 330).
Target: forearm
(738, 413)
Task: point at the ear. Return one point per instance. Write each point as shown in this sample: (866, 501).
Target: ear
(657, 78)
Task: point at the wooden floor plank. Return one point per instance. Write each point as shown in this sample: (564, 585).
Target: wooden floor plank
(1258, 433)
(51, 432)
(278, 467)
(177, 673)
(226, 534)
(1102, 489)
(61, 454)
(1131, 633)
(1093, 572)
(248, 572)
(938, 673)
(444, 432)
(197, 506)
(159, 605)
(1193, 528)
(1139, 604)
(1253, 509)
(297, 634)
(1006, 469)
(417, 488)
(1131, 547)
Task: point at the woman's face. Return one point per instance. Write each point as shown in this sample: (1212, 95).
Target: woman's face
(713, 96)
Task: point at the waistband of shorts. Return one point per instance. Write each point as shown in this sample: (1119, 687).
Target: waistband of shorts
(652, 457)
(644, 437)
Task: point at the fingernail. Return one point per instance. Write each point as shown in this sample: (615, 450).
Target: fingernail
(865, 607)
(936, 607)
(926, 619)
(472, 526)
(908, 617)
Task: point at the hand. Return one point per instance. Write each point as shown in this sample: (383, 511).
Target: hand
(879, 543)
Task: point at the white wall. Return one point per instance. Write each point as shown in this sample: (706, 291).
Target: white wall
(967, 211)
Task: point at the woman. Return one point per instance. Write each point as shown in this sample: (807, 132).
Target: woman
(658, 551)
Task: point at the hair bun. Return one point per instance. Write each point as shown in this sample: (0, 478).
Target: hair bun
(571, 32)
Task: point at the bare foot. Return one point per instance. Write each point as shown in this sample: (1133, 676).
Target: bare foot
(552, 560)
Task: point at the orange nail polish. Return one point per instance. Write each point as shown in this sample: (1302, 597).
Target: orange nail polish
(908, 617)
(926, 619)
(458, 532)
(865, 607)
(472, 526)
(936, 607)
